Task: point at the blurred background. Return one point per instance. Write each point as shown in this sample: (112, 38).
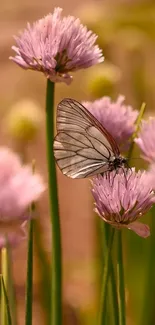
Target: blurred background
(126, 33)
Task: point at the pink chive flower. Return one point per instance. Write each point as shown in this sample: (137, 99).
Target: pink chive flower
(146, 139)
(121, 199)
(151, 175)
(56, 45)
(18, 188)
(116, 117)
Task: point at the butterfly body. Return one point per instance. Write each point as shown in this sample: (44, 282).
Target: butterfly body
(82, 146)
(117, 162)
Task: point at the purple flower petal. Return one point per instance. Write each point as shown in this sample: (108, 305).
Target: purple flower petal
(121, 199)
(140, 229)
(56, 45)
(118, 118)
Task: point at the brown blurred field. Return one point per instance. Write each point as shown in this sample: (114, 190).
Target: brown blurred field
(129, 45)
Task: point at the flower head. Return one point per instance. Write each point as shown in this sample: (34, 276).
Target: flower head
(56, 46)
(116, 117)
(123, 198)
(146, 139)
(18, 188)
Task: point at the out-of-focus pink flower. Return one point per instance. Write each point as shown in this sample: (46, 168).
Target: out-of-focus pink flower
(116, 117)
(18, 188)
(12, 233)
(56, 46)
(121, 199)
(151, 175)
(146, 139)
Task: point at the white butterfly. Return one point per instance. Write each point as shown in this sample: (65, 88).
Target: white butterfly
(82, 146)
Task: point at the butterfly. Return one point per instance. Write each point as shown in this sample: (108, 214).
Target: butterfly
(82, 146)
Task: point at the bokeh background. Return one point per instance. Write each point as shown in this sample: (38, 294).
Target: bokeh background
(126, 33)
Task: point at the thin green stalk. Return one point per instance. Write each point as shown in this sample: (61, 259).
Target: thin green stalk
(139, 118)
(113, 289)
(4, 276)
(56, 308)
(43, 265)
(121, 284)
(29, 281)
(9, 284)
(105, 280)
(114, 297)
(6, 302)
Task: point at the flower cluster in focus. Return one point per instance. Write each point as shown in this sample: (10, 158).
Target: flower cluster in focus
(122, 198)
(116, 117)
(56, 46)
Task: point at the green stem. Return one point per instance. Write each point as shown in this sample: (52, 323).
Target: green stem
(4, 279)
(10, 285)
(6, 300)
(121, 285)
(106, 272)
(43, 266)
(113, 288)
(8, 281)
(56, 308)
(29, 282)
(115, 309)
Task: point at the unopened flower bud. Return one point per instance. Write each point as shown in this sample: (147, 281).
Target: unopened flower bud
(102, 81)
(24, 120)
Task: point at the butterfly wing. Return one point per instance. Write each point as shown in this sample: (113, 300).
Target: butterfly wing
(82, 147)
